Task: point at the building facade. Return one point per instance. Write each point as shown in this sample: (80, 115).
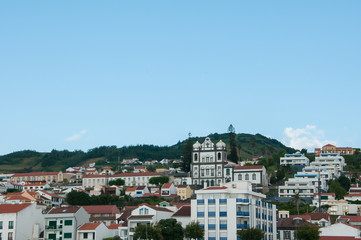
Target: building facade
(208, 161)
(222, 210)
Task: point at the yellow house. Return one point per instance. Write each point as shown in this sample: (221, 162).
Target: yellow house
(184, 192)
(158, 170)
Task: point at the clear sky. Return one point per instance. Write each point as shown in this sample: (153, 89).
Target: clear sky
(81, 74)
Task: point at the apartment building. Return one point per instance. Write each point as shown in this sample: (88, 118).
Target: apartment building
(37, 177)
(62, 223)
(328, 161)
(303, 186)
(222, 210)
(136, 179)
(296, 159)
(256, 174)
(329, 148)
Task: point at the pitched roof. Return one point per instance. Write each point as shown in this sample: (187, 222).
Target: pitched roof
(96, 176)
(155, 207)
(248, 167)
(318, 216)
(13, 208)
(131, 189)
(89, 226)
(215, 188)
(184, 211)
(102, 209)
(291, 223)
(353, 195)
(34, 174)
(167, 185)
(61, 210)
(114, 226)
(351, 218)
(140, 216)
(137, 174)
(51, 194)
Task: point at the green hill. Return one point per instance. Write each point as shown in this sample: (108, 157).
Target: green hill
(248, 145)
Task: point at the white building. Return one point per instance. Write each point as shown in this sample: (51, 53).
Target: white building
(145, 214)
(255, 174)
(91, 181)
(327, 160)
(353, 197)
(62, 223)
(208, 161)
(136, 179)
(325, 197)
(314, 177)
(20, 221)
(303, 186)
(183, 215)
(93, 231)
(295, 159)
(341, 230)
(223, 210)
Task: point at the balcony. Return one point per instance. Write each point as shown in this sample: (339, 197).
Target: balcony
(222, 226)
(242, 213)
(242, 226)
(211, 214)
(211, 226)
(200, 201)
(200, 214)
(57, 227)
(222, 201)
(241, 200)
(211, 238)
(223, 214)
(222, 238)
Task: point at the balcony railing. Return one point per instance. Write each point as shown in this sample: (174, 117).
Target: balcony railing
(54, 227)
(242, 226)
(242, 213)
(211, 226)
(211, 214)
(222, 226)
(200, 214)
(223, 214)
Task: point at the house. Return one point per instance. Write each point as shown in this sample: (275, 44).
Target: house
(353, 220)
(33, 186)
(91, 181)
(168, 189)
(325, 197)
(131, 191)
(93, 231)
(48, 177)
(164, 161)
(342, 207)
(256, 174)
(140, 191)
(355, 188)
(114, 229)
(20, 221)
(183, 215)
(329, 148)
(353, 197)
(287, 227)
(341, 230)
(55, 200)
(146, 214)
(184, 192)
(106, 214)
(222, 210)
(106, 171)
(135, 179)
(63, 222)
(140, 169)
(19, 197)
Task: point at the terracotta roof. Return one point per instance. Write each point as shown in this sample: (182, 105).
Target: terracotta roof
(353, 195)
(182, 186)
(102, 209)
(305, 217)
(248, 167)
(215, 188)
(89, 226)
(155, 207)
(72, 209)
(167, 185)
(352, 218)
(13, 208)
(290, 223)
(140, 216)
(96, 176)
(114, 226)
(34, 174)
(18, 197)
(141, 187)
(51, 194)
(137, 174)
(131, 189)
(184, 211)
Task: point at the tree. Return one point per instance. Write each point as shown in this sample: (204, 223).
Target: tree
(77, 198)
(117, 182)
(250, 234)
(304, 151)
(280, 174)
(335, 187)
(159, 180)
(187, 154)
(306, 232)
(344, 182)
(171, 229)
(232, 144)
(194, 231)
(297, 199)
(147, 231)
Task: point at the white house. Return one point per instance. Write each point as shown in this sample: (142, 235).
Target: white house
(256, 174)
(183, 215)
(63, 222)
(20, 221)
(341, 230)
(55, 199)
(325, 197)
(222, 210)
(93, 180)
(353, 197)
(168, 189)
(93, 231)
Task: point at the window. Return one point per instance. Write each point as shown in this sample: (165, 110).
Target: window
(195, 157)
(246, 177)
(253, 176)
(10, 236)
(67, 235)
(1, 224)
(227, 171)
(239, 176)
(219, 156)
(11, 224)
(68, 222)
(85, 236)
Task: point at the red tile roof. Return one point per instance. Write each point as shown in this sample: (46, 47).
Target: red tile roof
(352, 218)
(318, 216)
(34, 174)
(114, 226)
(51, 194)
(96, 176)
(13, 208)
(167, 185)
(336, 238)
(72, 209)
(89, 226)
(184, 211)
(140, 216)
(137, 174)
(248, 167)
(102, 209)
(131, 189)
(155, 207)
(353, 195)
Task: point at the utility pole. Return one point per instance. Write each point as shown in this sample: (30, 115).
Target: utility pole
(319, 190)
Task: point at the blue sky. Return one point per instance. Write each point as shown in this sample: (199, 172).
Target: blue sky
(81, 74)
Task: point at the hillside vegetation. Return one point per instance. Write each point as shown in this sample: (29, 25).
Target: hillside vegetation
(248, 145)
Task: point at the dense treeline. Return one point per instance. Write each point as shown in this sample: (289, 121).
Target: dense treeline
(247, 146)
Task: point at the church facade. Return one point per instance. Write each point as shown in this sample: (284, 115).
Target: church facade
(208, 163)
